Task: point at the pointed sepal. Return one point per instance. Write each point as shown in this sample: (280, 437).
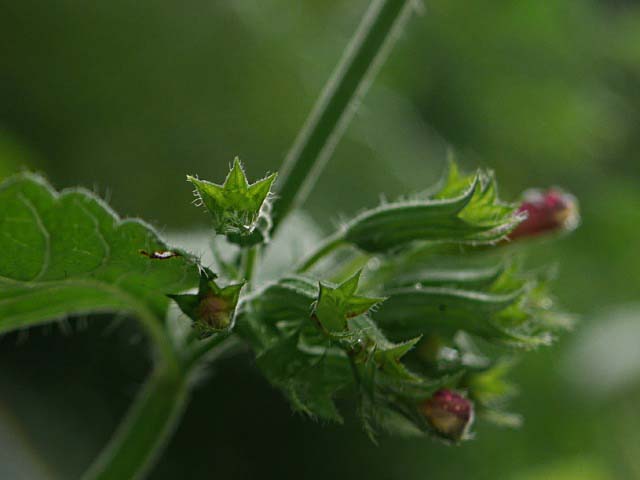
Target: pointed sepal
(336, 304)
(463, 209)
(388, 358)
(240, 210)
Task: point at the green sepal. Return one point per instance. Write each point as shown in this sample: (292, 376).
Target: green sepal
(336, 304)
(466, 210)
(453, 182)
(389, 358)
(239, 210)
(213, 308)
(366, 340)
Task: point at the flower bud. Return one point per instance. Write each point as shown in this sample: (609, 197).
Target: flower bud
(213, 308)
(239, 210)
(449, 413)
(547, 211)
(215, 311)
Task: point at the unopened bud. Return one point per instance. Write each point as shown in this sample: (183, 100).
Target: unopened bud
(547, 211)
(212, 309)
(215, 311)
(449, 413)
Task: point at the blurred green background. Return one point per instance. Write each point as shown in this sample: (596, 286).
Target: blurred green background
(127, 97)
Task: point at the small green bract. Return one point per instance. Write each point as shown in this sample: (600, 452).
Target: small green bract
(335, 305)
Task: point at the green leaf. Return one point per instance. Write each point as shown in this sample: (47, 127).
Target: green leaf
(290, 350)
(309, 378)
(311, 367)
(213, 308)
(336, 304)
(390, 378)
(239, 209)
(276, 310)
(67, 253)
(473, 215)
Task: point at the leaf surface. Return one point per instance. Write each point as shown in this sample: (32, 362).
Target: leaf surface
(68, 253)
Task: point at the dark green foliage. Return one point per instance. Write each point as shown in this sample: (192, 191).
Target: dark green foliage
(390, 336)
(431, 293)
(433, 253)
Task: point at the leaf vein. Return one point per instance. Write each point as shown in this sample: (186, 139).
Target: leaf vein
(45, 234)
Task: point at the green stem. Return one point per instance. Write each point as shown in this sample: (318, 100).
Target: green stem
(146, 428)
(151, 420)
(325, 248)
(338, 102)
(249, 264)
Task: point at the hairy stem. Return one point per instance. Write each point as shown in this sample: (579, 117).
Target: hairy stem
(146, 428)
(151, 420)
(338, 102)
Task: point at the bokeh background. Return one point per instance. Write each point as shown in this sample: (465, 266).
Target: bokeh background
(126, 97)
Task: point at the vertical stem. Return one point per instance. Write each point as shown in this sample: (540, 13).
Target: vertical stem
(249, 263)
(338, 102)
(143, 433)
(151, 420)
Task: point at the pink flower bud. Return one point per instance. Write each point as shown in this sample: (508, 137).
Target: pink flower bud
(449, 413)
(547, 211)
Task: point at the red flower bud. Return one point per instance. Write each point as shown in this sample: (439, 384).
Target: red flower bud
(449, 413)
(548, 211)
